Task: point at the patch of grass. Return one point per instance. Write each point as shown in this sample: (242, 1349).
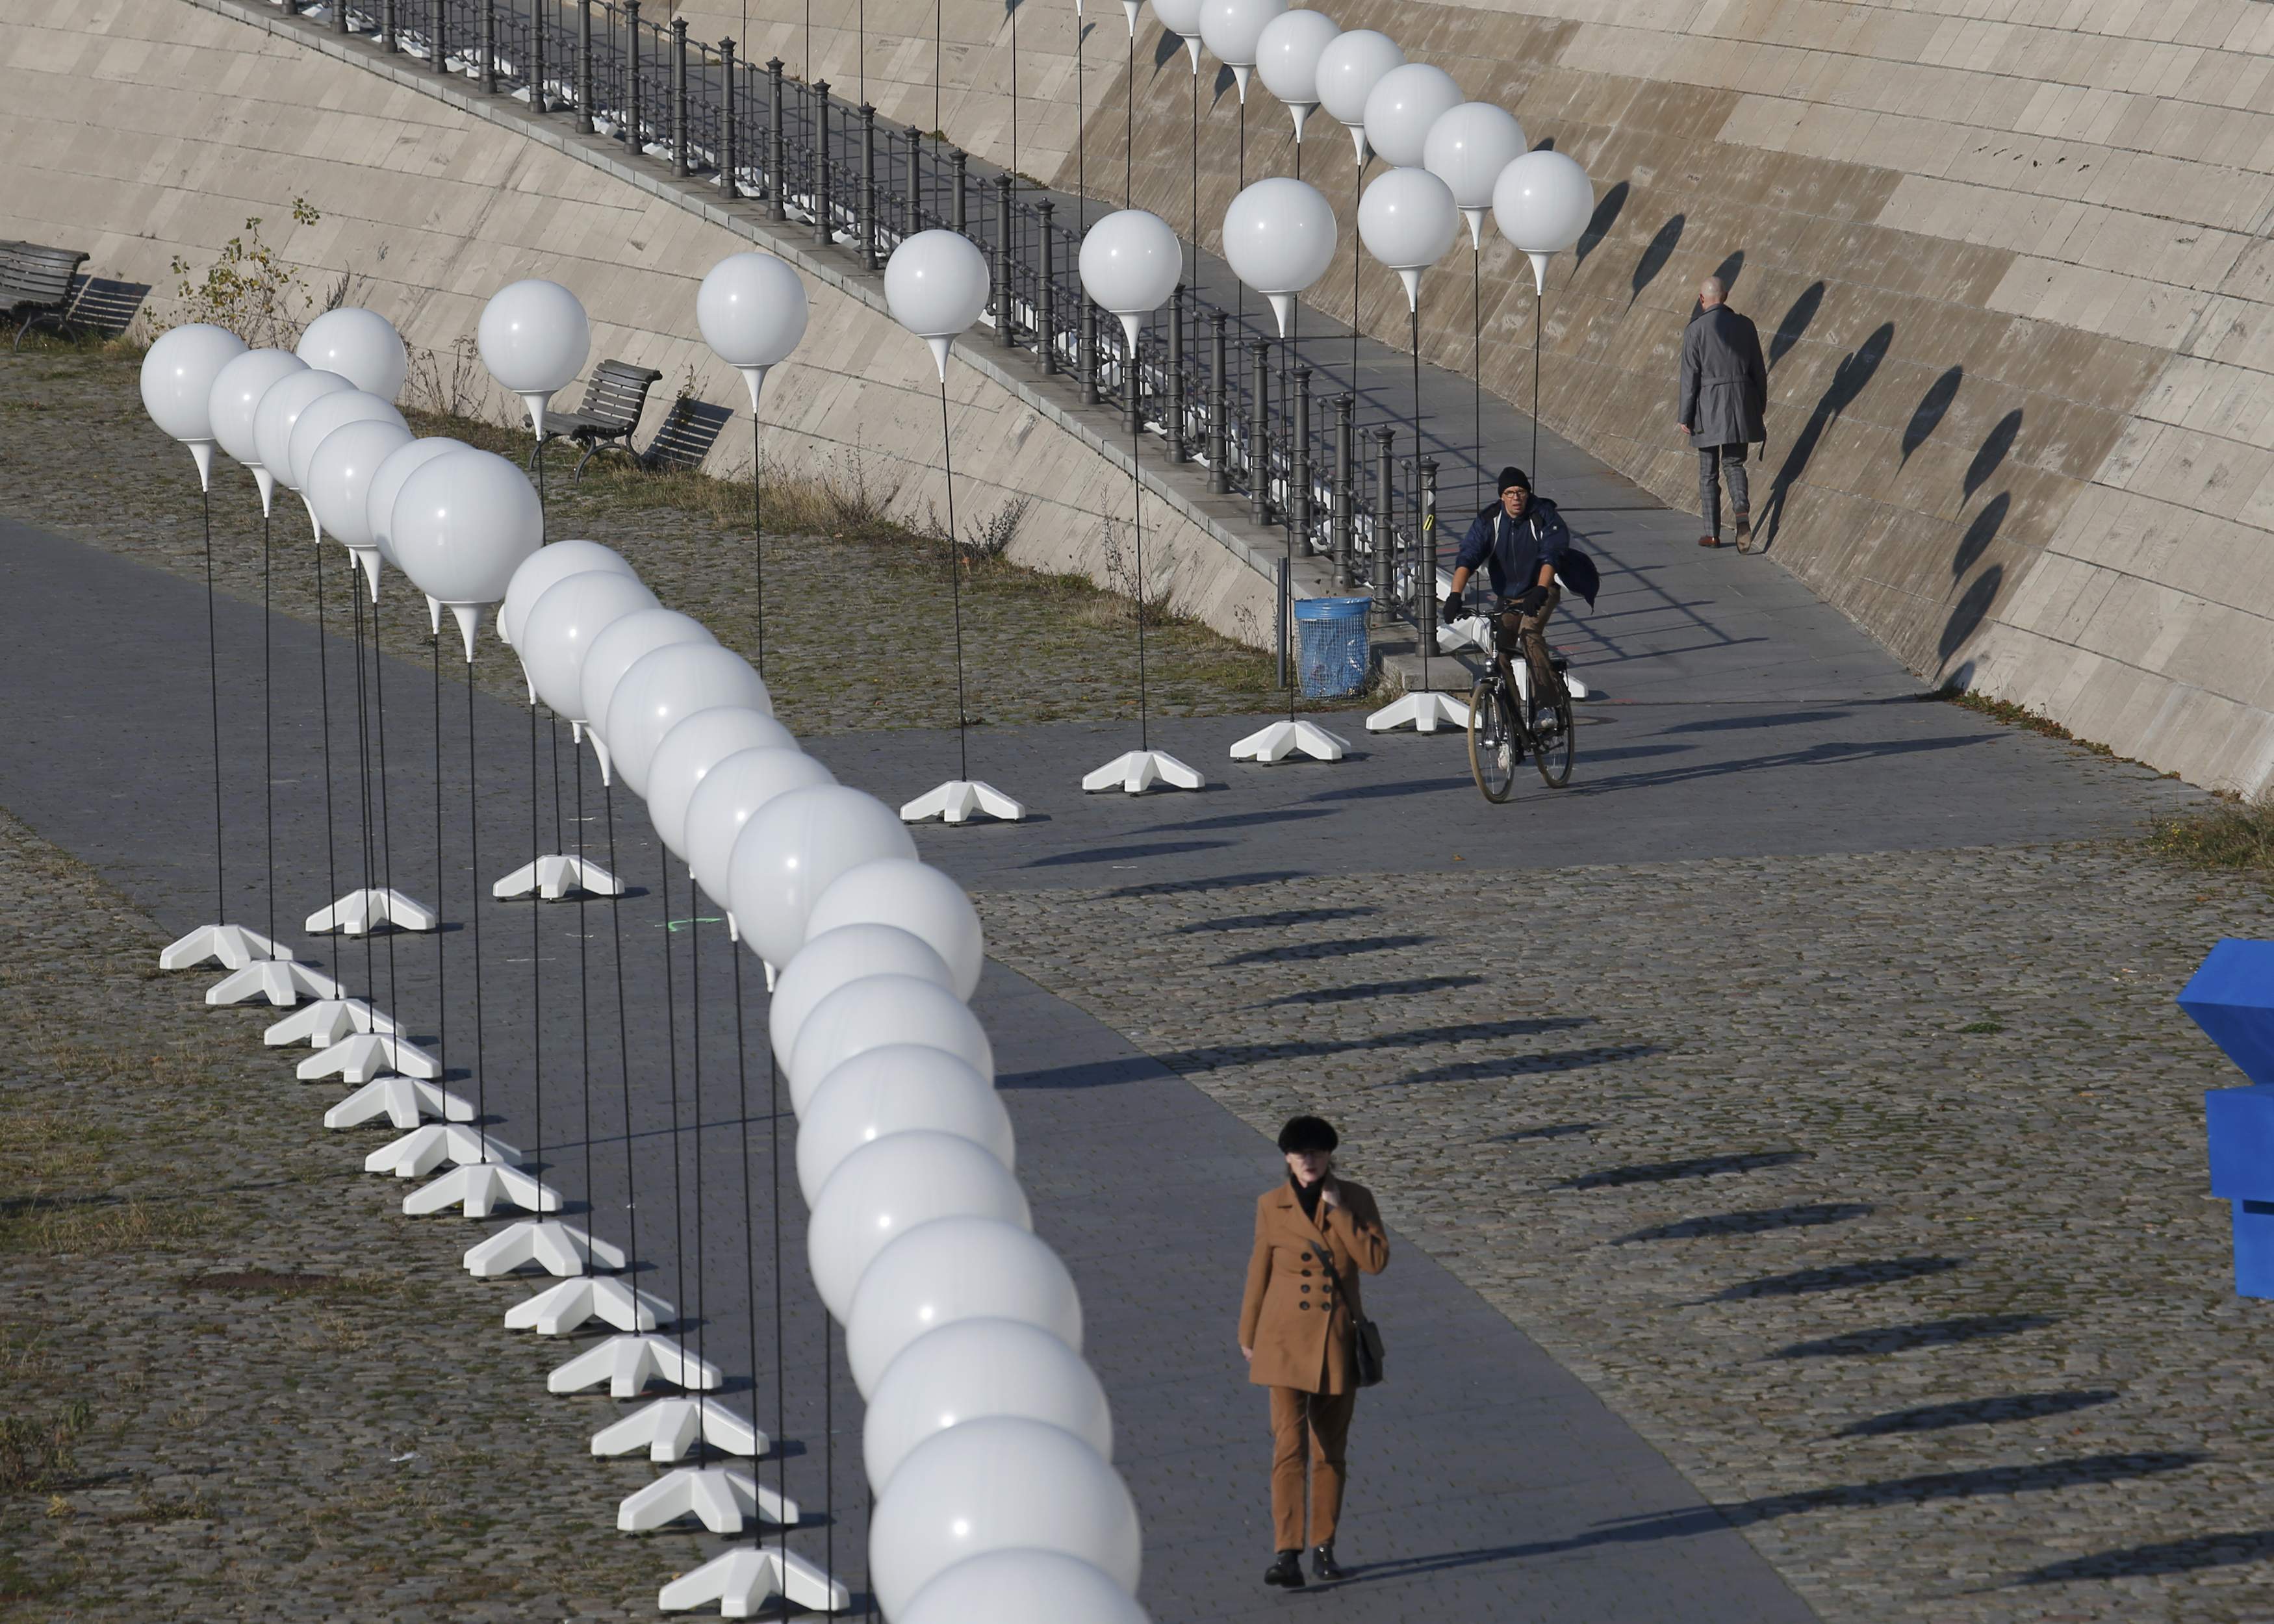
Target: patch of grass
(35, 1453)
(1984, 1026)
(2233, 833)
(2005, 711)
(94, 1226)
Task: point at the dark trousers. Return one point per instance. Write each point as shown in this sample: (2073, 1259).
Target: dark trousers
(1714, 464)
(1307, 1430)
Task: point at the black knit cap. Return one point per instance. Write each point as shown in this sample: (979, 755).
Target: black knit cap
(1308, 1134)
(1511, 475)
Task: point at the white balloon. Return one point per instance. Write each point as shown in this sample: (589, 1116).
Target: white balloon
(885, 1188)
(178, 373)
(1002, 1483)
(1468, 148)
(696, 743)
(1287, 59)
(790, 851)
(542, 570)
(1348, 69)
(279, 409)
(936, 284)
(533, 336)
(387, 484)
(1131, 261)
(665, 686)
(1542, 202)
(1401, 106)
(236, 391)
(831, 958)
(971, 1371)
(919, 899)
(950, 1270)
(314, 425)
(953, 1269)
(463, 524)
(1279, 238)
(341, 472)
(752, 309)
(622, 645)
(873, 1012)
(1181, 18)
(1232, 29)
(1022, 1587)
(895, 1089)
(361, 346)
(729, 795)
(1407, 220)
(562, 626)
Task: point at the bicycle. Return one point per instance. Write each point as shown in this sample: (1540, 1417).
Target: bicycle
(1501, 731)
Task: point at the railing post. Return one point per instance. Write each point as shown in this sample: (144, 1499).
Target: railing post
(1282, 634)
(867, 186)
(632, 78)
(1345, 471)
(338, 16)
(1259, 430)
(1046, 308)
(487, 37)
(777, 205)
(386, 41)
(912, 215)
(1002, 261)
(438, 50)
(1086, 358)
(539, 100)
(1383, 528)
(585, 66)
(1298, 478)
(1425, 583)
(820, 94)
(1219, 480)
(1133, 385)
(961, 160)
(679, 95)
(1175, 424)
(727, 131)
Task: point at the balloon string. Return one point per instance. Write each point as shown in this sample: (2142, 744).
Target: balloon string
(759, 537)
(386, 823)
(955, 584)
(749, 1220)
(267, 733)
(536, 977)
(695, 1048)
(441, 979)
(473, 918)
(584, 987)
(671, 1064)
(781, 1365)
(1137, 529)
(213, 692)
(624, 1041)
(324, 699)
(363, 784)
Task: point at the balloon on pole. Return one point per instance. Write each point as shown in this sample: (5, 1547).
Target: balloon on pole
(178, 375)
(888, 1188)
(1401, 107)
(1022, 1587)
(1287, 56)
(1349, 67)
(237, 394)
(543, 569)
(752, 309)
(563, 624)
(1233, 29)
(462, 525)
(974, 1369)
(336, 411)
(360, 345)
(1542, 202)
(1279, 239)
(339, 482)
(936, 284)
(953, 1269)
(1467, 148)
(1407, 220)
(1182, 18)
(1130, 263)
(534, 337)
(387, 484)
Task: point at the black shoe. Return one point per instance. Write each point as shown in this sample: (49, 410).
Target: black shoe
(1287, 1570)
(1324, 1569)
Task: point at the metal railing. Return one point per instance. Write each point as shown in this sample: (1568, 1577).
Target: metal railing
(1214, 392)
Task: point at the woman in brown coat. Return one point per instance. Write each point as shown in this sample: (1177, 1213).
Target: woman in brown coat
(1313, 1236)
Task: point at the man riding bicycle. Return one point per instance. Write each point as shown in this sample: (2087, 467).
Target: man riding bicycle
(1520, 539)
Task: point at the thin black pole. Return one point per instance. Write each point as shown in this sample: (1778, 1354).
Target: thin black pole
(1128, 123)
(781, 1362)
(1137, 529)
(583, 990)
(1476, 371)
(268, 718)
(749, 1216)
(695, 1048)
(1539, 316)
(213, 694)
(473, 916)
(758, 538)
(955, 584)
(623, 1037)
(324, 701)
(1424, 578)
(1193, 243)
(1080, 132)
(441, 980)
(671, 1071)
(363, 780)
(536, 949)
(386, 823)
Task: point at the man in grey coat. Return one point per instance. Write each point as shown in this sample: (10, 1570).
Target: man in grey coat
(1724, 389)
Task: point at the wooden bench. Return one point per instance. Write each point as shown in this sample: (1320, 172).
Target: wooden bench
(613, 401)
(98, 304)
(686, 435)
(36, 280)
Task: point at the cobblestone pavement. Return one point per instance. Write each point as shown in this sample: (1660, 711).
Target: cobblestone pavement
(1869, 1188)
(854, 629)
(297, 1403)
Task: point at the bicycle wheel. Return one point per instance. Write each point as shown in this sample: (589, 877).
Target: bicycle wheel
(1553, 741)
(1492, 751)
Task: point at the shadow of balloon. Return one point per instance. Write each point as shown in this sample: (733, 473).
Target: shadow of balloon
(1855, 370)
(1170, 47)
(1223, 81)
(1730, 269)
(2175, 1556)
(1980, 534)
(1928, 413)
(1655, 255)
(1999, 441)
(1973, 608)
(1599, 224)
(1796, 321)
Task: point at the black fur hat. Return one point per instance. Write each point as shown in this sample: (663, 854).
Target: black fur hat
(1308, 1134)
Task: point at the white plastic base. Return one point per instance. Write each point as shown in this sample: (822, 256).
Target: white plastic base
(1424, 712)
(422, 1150)
(282, 982)
(361, 912)
(327, 1021)
(232, 947)
(1139, 770)
(406, 1101)
(678, 1429)
(746, 1580)
(629, 1362)
(958, 801)
(554, 877)
(367, 1054)
(571, 1304)
(721, 1498)
(1283, 740)
(559, 1248)
(481, 1189)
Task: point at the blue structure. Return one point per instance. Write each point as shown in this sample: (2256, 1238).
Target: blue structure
(2232, 998)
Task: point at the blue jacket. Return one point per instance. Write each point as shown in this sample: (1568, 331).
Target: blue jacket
(1512, 550)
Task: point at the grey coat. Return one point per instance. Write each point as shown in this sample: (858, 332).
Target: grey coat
(1725, 384)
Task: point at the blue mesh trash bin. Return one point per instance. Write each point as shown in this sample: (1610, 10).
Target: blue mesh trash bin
(1331, 655)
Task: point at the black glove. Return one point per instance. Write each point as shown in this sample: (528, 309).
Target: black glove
(1450, 610)
(1530, 602)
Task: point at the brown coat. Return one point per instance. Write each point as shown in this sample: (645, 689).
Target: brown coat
(1300, 1327)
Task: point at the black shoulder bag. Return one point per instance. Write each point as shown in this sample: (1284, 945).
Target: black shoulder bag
(1367, 1345)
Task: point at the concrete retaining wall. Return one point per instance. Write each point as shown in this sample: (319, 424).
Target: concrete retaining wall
(147, 130)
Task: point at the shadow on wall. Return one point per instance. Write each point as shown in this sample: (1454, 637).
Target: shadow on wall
(1994, 447)
(1855, 370)
(1796, 321)
(1980, 534)
(1927, 414)
(1599, 225)
(1655, 255)
(1973, 609)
